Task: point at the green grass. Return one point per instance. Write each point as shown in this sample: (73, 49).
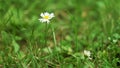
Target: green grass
(78, 25)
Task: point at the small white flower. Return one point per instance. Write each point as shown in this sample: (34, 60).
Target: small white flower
(46, 17)
(87, 53)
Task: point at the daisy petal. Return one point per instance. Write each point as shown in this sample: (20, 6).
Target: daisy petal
(47, 21)
(46, 14)
(52, 15)
(42, 15)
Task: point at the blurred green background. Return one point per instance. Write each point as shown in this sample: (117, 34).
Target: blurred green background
(78, 25)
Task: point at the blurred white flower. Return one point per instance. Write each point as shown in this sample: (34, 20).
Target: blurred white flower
(46, 17)
(87, 53)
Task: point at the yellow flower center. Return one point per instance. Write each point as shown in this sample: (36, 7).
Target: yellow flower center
(46, 17)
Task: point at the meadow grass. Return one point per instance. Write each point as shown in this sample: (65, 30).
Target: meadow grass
(78, 25)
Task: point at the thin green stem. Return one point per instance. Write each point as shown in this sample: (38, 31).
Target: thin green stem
(46, 34)
(112, 26)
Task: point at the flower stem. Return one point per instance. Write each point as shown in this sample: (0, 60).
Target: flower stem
(46, 28)
(46, 32)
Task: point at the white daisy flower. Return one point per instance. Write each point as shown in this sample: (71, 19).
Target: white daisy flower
(46, 17)
(87, 53)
